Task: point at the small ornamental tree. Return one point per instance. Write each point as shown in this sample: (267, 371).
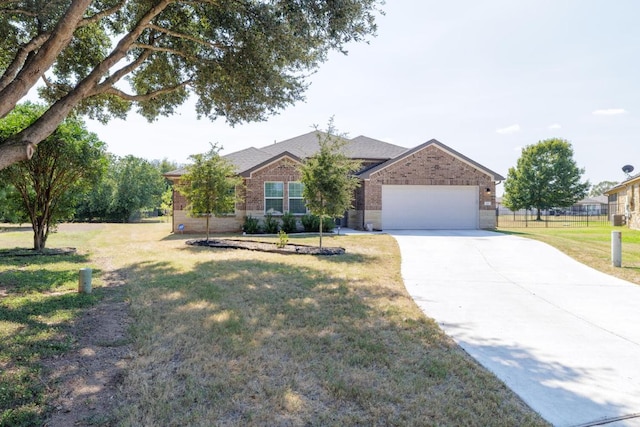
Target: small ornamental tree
(49, 185)
(546, 176)
(209, 185)
(328, 179)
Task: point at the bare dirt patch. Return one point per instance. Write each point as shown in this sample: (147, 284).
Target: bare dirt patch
(266, 247)
(84, 383)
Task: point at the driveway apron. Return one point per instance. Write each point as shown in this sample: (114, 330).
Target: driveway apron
(563, 336)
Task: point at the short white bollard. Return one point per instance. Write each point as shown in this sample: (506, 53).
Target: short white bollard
(84, 281)
(616, 248)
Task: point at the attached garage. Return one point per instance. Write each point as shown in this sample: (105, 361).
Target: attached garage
(433, 207)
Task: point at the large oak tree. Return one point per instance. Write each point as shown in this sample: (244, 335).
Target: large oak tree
(241, 59)
(546, 176)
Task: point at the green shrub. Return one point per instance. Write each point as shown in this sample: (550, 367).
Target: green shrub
(251, 225)
(311, 223)
(289, 223)
(271, 224)
(283, 239)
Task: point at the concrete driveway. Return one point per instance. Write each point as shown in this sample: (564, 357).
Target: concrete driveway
(563, 336)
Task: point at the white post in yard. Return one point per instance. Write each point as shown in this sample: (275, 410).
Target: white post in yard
(616, 248)
(84, 281)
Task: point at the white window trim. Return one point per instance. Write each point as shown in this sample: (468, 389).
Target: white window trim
(272, 198)
(289, 198)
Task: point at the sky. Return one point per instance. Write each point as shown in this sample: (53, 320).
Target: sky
(485, 78)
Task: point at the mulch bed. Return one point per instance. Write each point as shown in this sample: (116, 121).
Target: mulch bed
(17, 252)
(253, 245)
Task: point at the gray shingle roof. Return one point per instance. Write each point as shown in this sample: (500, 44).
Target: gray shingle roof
(247, 158)
(302, 146)
(360, 147)
(363, 147)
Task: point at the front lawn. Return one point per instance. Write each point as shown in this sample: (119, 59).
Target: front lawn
(233, 337)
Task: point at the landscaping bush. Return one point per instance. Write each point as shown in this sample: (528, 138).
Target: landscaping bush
(251, 225)
(271, 224)
(311, 223)
(289, 223)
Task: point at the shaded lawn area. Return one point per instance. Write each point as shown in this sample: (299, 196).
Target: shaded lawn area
(38, 303)
(231, 337)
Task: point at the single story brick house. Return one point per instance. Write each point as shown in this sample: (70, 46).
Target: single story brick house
(430, 186)
(624, 199)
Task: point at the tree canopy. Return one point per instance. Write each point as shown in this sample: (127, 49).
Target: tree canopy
(48, 186)
(328, 179)
(209, 185)
(241, 60)
(545, 176)
(599, 188)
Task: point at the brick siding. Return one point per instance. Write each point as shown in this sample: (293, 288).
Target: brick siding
(429, 166)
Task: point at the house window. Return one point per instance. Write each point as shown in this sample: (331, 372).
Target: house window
(273, 197)
(296, 202)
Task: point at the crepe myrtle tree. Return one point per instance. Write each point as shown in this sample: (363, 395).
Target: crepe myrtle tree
(544, 177)
(209, 185)
(242, 60)
(48, 186)
(327, 177)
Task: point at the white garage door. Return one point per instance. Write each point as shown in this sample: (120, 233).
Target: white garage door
(433, 207)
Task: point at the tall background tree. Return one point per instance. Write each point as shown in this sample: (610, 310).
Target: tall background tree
(241, 60)
(328, 179)
(546, 176)
(49, 185)
(137, 185)
(209, 185)
(599, 188)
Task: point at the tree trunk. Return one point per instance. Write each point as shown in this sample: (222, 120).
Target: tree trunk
(35, 67)
(320, 231)
(39, 234)
(538, 217)
(208, 216)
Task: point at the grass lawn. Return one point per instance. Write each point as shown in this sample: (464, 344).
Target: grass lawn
(233, 337)
(591, 246)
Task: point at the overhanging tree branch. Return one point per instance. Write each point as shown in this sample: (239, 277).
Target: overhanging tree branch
(37, 64)
(147, 96)
(186, 37)
(98, 16)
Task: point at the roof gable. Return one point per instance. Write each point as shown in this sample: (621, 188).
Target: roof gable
(247, 173)
(433, 142)
(623, 185)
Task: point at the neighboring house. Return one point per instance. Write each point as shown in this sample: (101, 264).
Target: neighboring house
(624, 199)
(430, 186)
(598, 205)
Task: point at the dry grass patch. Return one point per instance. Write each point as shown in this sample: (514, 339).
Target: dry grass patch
(230, 337)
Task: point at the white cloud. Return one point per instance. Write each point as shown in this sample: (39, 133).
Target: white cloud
(509, 129)
(609, 112)
(555, 126)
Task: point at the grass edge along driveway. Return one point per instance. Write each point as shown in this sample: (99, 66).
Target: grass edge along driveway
(230, 337)
(591, 246)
